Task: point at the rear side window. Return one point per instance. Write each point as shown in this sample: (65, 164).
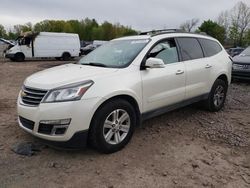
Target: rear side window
(210, 47)
(190, 48)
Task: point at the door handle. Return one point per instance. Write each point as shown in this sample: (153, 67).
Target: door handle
(208, 66)
(179, 72)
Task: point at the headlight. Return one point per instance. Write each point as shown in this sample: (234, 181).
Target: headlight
(70, 92)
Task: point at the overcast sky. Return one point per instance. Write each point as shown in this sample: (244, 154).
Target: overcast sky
(139, 14)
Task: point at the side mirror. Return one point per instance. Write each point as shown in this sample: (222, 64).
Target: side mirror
(154, 63)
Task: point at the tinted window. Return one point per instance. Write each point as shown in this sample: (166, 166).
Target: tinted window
(166, 51)
(210, 47)
(190, 48)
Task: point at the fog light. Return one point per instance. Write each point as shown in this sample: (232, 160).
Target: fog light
(54, 127)
(56, 122)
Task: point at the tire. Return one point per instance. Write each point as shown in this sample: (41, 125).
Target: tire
(19, 57)
(66, 56)
(113, 135)
(217, 96)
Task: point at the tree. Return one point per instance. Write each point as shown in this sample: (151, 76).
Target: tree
(247, 38)
(2, 31)
(189, 24)
(88, 29)
(19, 29)
(240, 17)
(224, 20)
(213, 29)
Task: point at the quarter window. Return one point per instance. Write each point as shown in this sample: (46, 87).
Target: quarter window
(190, 48)
(165, 50)
(210, 47)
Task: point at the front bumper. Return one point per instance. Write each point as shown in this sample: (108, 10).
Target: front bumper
(10, 56)
(78, 140)
(80, 112)
(241, 74)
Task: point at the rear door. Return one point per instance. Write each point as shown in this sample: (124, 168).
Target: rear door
(197, 68)
(163, 86)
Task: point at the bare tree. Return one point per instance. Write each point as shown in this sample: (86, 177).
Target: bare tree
(224, 20)
(240, 18)
(189, 24)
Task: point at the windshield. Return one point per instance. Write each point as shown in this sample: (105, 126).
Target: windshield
(246, 52)
(114, 54)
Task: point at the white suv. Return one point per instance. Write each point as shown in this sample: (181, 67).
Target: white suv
(103, 97)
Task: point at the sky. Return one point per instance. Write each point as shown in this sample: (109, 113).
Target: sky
(139, 14)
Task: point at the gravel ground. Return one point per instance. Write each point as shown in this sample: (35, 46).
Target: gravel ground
(188, 147)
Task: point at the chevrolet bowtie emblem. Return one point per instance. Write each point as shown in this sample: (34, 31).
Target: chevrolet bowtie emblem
(23, 94)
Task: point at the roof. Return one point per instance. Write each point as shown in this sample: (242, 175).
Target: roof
(168, 32)
(34, 34)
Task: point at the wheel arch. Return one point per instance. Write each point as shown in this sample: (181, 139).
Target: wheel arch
(223, 77)
(20, 53)
(65, 52)
(125, 97)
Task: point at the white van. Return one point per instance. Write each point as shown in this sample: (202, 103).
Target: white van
(45, 45)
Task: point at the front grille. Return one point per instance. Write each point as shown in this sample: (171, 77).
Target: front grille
(32, 96)
(27, 123)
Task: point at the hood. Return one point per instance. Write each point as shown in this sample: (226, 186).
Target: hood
(65, 74)
(243, 59)
(7, 42)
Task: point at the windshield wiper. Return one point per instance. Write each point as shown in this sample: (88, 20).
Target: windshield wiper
(95, 64)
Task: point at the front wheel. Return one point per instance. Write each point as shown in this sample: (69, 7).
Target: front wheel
(112, 126)
(217, 96)
(19, 57)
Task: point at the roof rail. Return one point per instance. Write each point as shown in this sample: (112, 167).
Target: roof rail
(155, 32)
(166, 31)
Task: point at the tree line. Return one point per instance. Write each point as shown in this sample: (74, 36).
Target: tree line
(88, 29)
(231, 28)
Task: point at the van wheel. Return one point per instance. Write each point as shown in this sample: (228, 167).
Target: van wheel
(112, 126)
(66, 56)
(19, 57)
(217, 96)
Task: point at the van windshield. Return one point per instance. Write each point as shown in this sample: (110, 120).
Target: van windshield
(115, 54)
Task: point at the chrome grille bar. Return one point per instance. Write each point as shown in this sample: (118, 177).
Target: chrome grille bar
(32, 96)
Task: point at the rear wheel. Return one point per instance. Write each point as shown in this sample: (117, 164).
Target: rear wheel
(217, 96)
(66, 56)
(112, 126)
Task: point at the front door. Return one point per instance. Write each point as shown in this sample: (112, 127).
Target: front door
(163, 86)
(26, 47)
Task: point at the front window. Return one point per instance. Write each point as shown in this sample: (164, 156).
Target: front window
(166, 51)
(115, 54)
(24, 41)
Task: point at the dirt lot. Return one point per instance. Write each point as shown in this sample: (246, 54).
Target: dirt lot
(185, 148)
